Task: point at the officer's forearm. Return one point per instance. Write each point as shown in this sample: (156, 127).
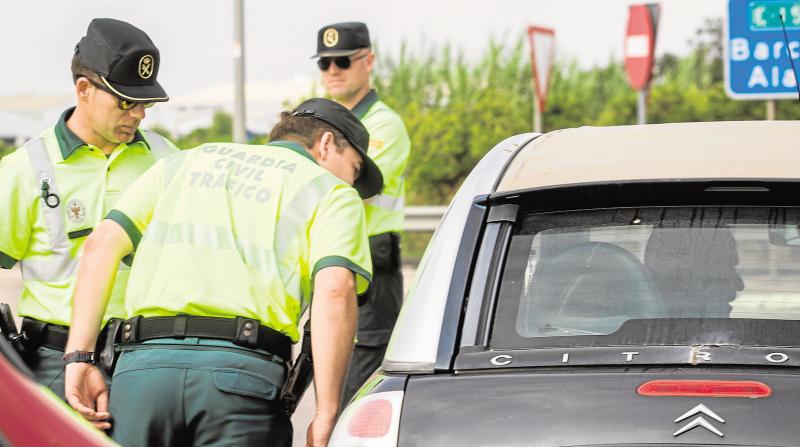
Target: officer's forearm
(97, 270)
(333, 325)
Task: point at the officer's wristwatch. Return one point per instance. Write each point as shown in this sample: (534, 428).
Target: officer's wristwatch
(78, 357)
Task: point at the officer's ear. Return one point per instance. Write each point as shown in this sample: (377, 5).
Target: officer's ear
(370, 60)
(82, 89)
(327, 145)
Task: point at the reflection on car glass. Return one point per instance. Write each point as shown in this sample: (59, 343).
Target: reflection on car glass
(549, 330)
(588, 272)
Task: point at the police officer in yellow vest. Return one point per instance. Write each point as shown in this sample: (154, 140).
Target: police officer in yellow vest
(57, 187)
(231, 242)
(346, 61)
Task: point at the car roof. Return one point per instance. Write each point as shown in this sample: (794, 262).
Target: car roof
(733, 149)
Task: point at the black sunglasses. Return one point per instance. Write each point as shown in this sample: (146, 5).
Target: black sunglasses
(123, 104)
(342, 62)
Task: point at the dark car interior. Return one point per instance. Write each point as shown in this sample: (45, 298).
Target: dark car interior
(584, 273)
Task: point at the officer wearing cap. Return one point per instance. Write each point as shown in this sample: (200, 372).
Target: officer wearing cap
(231, 242)
(57, 187)
(345, 60)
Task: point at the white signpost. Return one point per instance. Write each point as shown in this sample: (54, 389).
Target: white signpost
(543, 48)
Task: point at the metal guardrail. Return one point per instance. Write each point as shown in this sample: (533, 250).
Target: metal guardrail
(423, 218)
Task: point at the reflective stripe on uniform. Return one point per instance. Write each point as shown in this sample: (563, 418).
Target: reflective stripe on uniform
(59, 265)
(218, 238)
(388, 202)
(290, 226)
(159, 146)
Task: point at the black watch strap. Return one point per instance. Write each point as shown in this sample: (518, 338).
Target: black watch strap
(78, 357)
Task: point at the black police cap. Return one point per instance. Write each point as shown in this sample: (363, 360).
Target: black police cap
(342, 39)
(370, 179)
(124, 57)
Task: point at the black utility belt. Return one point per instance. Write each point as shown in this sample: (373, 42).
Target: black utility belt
(51, 335)
(245, 332)
(40, 333)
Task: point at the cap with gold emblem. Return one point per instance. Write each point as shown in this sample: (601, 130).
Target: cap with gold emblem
(342, 39)
(124, 57)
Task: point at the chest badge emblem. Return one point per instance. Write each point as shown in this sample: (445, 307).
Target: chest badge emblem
(76, 211)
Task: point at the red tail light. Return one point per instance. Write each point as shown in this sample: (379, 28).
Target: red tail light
(373, 420)
(369, 421)
(705, 388)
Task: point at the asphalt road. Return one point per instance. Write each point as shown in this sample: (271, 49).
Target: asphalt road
(10, 287)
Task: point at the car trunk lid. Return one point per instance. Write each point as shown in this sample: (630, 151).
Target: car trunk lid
(596, 407)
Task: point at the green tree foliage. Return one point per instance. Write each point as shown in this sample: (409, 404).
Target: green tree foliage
(5, 149)
(456, 110)
(220, 130)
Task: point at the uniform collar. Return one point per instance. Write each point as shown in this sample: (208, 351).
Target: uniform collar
(364, 105)
(292, 146)
(68, 142)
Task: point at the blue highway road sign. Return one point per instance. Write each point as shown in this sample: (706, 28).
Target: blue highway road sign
(757, 64)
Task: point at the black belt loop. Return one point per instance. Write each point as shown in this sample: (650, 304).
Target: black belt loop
(246, 332)
(180, 326)
(130, 331)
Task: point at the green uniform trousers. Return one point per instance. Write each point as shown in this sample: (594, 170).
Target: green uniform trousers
(200, 392)
(48, 368)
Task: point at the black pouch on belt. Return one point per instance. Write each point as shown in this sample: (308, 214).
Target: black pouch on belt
(300, 375)
(385, 250)
(105, 352)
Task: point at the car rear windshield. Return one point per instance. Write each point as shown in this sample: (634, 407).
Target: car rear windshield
(613, 276)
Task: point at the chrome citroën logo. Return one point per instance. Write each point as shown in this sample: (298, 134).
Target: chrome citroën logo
(699, 421)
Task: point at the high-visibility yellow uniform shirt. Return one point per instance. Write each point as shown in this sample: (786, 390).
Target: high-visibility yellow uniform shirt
(389, 147)
(226, 230)
(48, 241)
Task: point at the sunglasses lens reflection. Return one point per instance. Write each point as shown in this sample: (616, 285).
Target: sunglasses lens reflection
(342, 62)
(124, 104)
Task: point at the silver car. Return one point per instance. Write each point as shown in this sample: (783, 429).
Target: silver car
(617, 286)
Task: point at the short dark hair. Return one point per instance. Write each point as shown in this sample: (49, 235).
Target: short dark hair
(81, 71)
(305, 130)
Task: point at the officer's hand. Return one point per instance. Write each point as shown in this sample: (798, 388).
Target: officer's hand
(86, 391)
(319, 431)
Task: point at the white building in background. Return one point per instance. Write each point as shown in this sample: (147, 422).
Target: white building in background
(24, 116)
(16, 127)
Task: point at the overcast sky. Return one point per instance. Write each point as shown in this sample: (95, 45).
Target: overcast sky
(195, 36)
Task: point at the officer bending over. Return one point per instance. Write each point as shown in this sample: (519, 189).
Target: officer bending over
(57, 187)
(230, 243)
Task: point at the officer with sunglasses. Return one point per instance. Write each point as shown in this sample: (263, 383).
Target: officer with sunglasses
(60, 184)
(346, 60)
